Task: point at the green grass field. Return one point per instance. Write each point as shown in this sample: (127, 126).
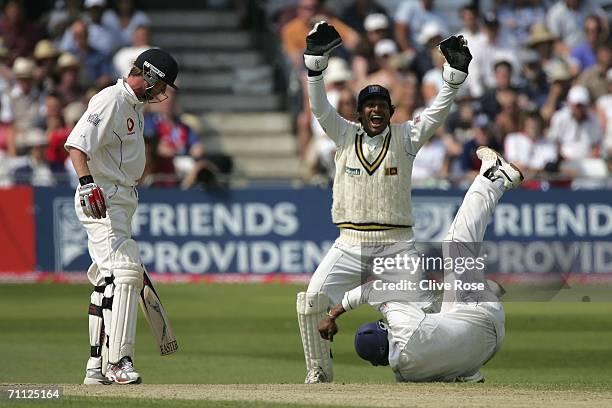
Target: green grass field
(248, 334)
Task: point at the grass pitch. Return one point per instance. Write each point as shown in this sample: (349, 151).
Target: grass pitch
(248, 334)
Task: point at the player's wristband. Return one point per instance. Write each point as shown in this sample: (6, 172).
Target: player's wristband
(88, 179)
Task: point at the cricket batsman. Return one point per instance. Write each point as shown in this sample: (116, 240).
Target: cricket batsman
(454, 344)
(108, 153)
(372, 184)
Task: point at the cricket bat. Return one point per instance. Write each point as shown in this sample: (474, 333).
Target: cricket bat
(156, 317)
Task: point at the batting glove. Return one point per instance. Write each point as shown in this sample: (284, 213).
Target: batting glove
(320, 42)
(457, 57)
(92, 200)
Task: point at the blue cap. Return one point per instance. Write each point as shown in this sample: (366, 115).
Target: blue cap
(372, 91)
(372, 344)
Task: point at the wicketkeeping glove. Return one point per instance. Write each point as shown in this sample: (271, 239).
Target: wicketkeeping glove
(92, 200)
(457, 57)
(320, 42)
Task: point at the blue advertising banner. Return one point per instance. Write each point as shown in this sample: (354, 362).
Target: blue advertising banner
(289, 230)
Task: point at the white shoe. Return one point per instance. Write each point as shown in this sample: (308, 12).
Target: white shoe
(494, 167)
(123, 372)
(316, 376)
(94, 376)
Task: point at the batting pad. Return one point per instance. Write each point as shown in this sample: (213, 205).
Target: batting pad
(128, 283)
(311, 309)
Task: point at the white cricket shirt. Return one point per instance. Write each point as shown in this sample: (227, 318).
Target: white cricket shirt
(110, 133)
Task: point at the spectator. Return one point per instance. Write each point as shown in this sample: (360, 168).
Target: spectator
(19, 36)
(594, 78)
(168, 137)
(364, 61)
(410, 18)
(32, 169)
(567, 17)
(534, 81)
(428, 40)
(45, 55)
(503, 80)
(56, 154)
(125, 19)
(430, 164)
(64, 13)
(604, 113)
(99, 37)
(476, 39)
(495, 49)
(528, 148)
(293, 34)
(516, 17)
(125, 57)
(468, 160)
(508, 119)
(354, 14)
(387, 75)
(51, 116)
(97, 69)
(25, 101)
(584, 52)
(432, 80)
(69, 87)
(407, 99)
(575, 127)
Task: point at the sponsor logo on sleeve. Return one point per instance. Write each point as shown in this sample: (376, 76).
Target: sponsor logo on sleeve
(94, 119)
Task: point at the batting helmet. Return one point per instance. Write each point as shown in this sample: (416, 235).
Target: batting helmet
(372, 344)
(157, 64)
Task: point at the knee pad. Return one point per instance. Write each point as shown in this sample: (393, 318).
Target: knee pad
(100, 305)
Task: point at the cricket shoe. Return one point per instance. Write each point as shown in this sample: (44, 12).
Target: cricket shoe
(123, 372)
(477, 377)
(94, 376)
(316, 376)
(495, 167)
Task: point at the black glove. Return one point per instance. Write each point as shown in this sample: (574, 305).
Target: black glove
(456, 52)
(322, 39)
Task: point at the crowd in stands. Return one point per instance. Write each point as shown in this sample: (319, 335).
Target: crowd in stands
(539, 88)
(49, 69)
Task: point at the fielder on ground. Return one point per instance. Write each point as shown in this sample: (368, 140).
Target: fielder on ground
(455, 343)
(372, 184)
(108, 153)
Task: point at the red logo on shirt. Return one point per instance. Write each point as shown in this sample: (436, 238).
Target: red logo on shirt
(130, 125)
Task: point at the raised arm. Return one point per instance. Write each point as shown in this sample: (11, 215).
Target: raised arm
(458, 57)
(320, 42)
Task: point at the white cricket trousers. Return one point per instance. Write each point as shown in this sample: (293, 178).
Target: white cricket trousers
(105, 235)
(464, 335)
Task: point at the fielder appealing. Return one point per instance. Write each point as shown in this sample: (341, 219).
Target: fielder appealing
(454, 344)
(108, 153)
(372, 184)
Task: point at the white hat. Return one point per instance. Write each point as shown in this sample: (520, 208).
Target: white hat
(429, 31)
(337, 71)
(385, 47)
(376, 21)
(578, 95)
(94, 3)
(23, 67)
(68, 60)
(73, 112)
